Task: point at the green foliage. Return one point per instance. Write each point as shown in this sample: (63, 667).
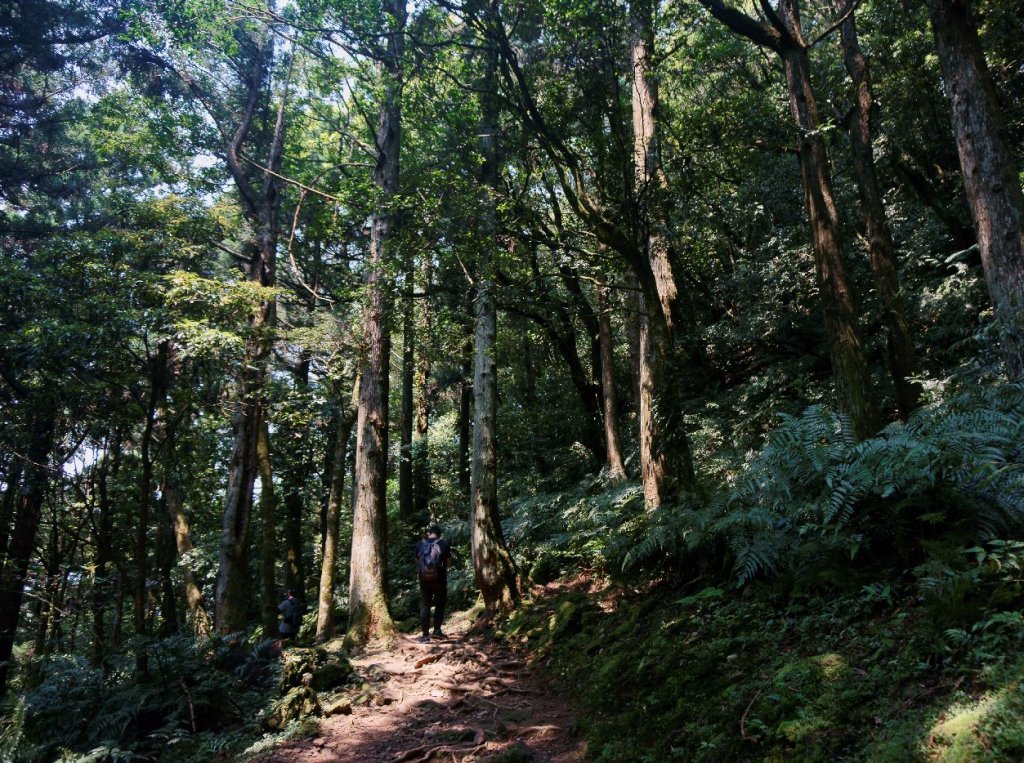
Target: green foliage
(814, 490)
(755, 675)
(195, 700)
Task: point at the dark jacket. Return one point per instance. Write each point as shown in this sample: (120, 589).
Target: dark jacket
(446, 554)
(291, 616)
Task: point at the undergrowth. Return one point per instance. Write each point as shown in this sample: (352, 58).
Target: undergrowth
(835, 600)
(198, 701)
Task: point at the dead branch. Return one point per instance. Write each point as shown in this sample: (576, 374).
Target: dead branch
(743, 719)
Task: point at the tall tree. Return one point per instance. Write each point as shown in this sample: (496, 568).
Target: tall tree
(666, 462)
(881, 249)
(335, 503)
(368, 604)
(783, 35)
(260, 201)
(28, 513)
(614, 464)
(493, 567)
(990, 175)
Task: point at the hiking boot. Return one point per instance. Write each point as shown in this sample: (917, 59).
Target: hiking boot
(438, 634)
(424, 639)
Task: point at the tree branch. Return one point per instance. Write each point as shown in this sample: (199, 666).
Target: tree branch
(851, 7)
(742, 24)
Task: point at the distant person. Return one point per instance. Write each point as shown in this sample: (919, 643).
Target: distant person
(432, 555)
(291, 616)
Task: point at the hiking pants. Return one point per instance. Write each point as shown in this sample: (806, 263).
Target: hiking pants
(433, 593)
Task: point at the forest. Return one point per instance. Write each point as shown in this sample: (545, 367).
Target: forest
(696, 325)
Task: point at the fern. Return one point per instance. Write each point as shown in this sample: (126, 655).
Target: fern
(12, 730)
(813, 479)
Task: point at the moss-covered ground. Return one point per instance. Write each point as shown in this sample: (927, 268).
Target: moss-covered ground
(714, 674)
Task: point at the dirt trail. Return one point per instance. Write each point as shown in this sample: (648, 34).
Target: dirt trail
(466, 698)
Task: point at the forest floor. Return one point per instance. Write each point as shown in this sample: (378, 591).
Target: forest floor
(466, 698)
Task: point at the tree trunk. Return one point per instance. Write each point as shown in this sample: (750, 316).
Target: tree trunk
(197, 614)
(368, 605)
(158, 390)
(108, 467)
(406, 505)
(990, 176)
(296, 474)
(882, 251)
(465, 421)
(849, 365)
(335, 501)
(46, 599)
(633, 303)
(424, 395)
(23, 536)
(233, 576)
(493, 567)
(12, 483)
(615, 468)
(268, 538)
(666, 465)
(649, 179)
(165, 552)
(261, 210)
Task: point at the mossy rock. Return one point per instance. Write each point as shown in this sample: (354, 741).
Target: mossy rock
(566, 620)
(316, 667)
(299, 702)
(339, 707)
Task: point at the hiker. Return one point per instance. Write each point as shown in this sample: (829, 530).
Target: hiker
(432, 555)
(291, 616)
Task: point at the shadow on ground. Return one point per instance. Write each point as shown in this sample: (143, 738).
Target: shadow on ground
(466, 698)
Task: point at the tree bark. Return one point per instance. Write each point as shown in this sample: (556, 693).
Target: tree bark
(165, 553)
(614, 466)
(494, 570)
(881, 250)
(649, 179)
(296, 474)
(424, 395)
(268, 538)
(406, 504)
(369, 617)
(332, 526)
(158, 390)
(197, 614)
(990, 175)
(12, 480)
(849, 365)
(666, 464)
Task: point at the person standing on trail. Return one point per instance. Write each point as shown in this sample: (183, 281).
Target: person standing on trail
(432, 555)
(291, 616)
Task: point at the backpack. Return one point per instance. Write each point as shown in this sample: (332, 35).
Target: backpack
(428, 561)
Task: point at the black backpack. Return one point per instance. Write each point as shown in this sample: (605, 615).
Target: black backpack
(428, 561)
